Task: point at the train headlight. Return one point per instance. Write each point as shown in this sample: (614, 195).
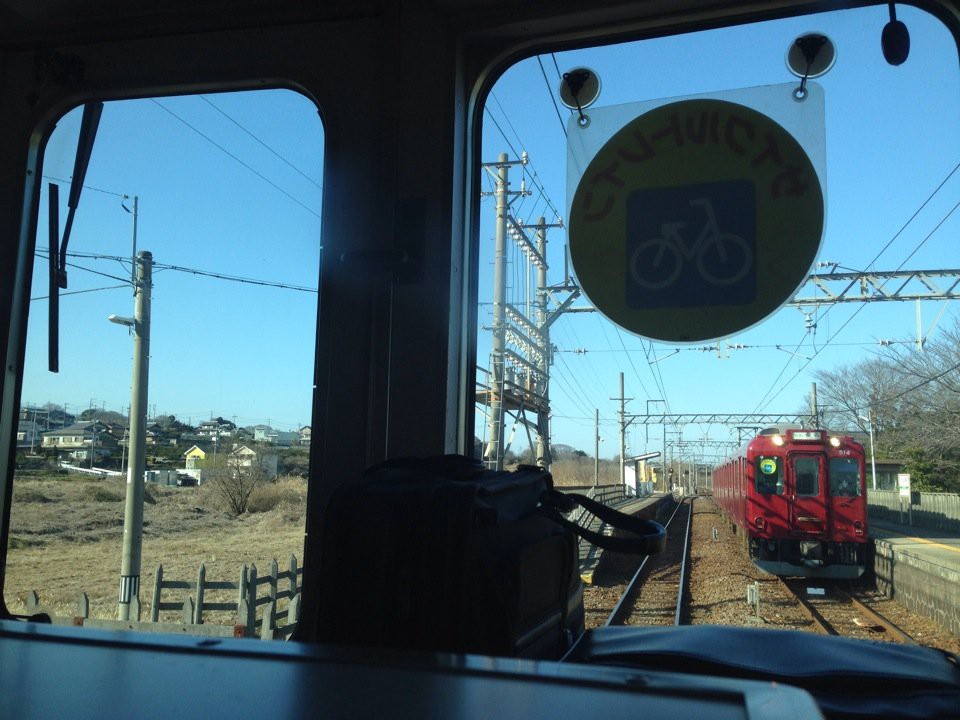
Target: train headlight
(777, 440)
(758, 521)
(858, 527)
(835, 441)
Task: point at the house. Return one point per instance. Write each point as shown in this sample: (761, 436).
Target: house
(218, 428)
(28, 434)
(47, 418)
(245, 457)
(81, 439)
(266, 434)
(194, 458)
(286, 439)
(305, 435)
(263, 433)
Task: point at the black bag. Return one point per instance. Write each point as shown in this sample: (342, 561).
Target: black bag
(441, 554)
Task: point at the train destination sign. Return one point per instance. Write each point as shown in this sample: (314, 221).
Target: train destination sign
(695, 220)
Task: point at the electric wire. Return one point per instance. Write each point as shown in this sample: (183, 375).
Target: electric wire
(550, 93)
(237, 159)
(657, 373)
(925, 381)
(630, 360)
(86, 187)
(81, 292)
(489, 113)
(261, 142)
(862, 306)
(594, 375)
(574, 391)
(876, 257)
(506, 117)
(179, 268)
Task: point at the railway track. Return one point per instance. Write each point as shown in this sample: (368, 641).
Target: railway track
(833, 611)
(656, 593)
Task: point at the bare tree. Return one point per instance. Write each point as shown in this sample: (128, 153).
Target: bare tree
(913, 399)
(853, 395)
(235, 480)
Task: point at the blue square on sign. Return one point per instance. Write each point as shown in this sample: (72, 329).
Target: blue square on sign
(692, 245)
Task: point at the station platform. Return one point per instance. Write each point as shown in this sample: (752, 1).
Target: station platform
(650, 507)
(919, 568)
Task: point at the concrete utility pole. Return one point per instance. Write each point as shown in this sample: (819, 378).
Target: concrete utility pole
(493, 454)
(813, 406)
(493, 457)
(520, 352)
(133, 510)
(542, 386)
(596, 446)
(623, 433)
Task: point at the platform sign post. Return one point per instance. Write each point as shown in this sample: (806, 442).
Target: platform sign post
(903, 485)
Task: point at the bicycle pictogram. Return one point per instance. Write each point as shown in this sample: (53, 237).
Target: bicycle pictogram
(721, 258)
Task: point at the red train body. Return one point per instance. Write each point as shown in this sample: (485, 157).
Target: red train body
(799, 497)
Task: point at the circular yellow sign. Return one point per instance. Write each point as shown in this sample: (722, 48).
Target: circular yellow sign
(768, 466)
(695, 220)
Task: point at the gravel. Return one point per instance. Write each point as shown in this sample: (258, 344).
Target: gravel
(719, 577)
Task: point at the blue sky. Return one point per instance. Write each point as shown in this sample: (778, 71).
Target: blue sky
(891, 139)
(231, 349)
(214, 198)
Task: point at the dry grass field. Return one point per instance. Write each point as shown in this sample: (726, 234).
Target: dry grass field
(67, 530)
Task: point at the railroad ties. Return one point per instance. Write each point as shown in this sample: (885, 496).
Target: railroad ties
(833, 611)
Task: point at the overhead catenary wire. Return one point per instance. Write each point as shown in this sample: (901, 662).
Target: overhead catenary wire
(876, 257)
(861, 307)
(563, 125)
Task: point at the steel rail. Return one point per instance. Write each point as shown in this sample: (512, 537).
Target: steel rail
(683, 566)
(623, 604)
(894, 632)
(822, 626)
(820, 623)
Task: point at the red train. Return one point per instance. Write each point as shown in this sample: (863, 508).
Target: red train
(799, 497)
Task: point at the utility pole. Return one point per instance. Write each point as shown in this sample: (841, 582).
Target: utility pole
(666, 481)
(133, 510)
(520, 352)
(493, 455)
(133, 255)
(873, 456)
(596, 447)
(646, 430)
(542, 386)
(813, 406)
(623, 432)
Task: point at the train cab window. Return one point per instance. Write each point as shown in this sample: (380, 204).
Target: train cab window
(845, 480)
(769, 475)
(562, 381)
(194, 256)
(806, 475)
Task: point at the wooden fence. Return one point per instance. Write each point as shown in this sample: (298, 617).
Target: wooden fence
(280, 585)
(272, 623)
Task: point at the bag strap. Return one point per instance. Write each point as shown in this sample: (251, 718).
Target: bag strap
(648, 537)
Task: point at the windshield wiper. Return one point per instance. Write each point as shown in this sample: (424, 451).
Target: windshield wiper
(58, 248)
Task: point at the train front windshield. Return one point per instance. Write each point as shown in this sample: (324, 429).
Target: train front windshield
(845, 479)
